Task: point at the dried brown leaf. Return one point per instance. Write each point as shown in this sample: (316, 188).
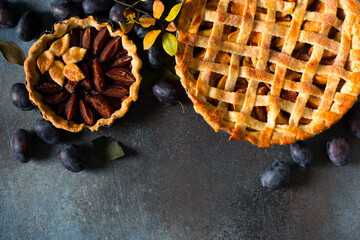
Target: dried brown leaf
(129, 13)
(12, 52)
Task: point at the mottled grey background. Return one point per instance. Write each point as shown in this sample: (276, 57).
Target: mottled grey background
(179, 180)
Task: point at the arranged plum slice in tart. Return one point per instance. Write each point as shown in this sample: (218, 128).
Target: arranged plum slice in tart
(83, 75)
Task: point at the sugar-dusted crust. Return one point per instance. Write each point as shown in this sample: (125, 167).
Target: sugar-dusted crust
(240, 123)
(33, 75)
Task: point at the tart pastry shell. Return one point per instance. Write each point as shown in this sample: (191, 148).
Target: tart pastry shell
(33, 75)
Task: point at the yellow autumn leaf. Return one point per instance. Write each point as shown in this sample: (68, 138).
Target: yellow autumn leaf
(170, 44)
(147, 21)
(174, 12)
(129, 13)
(150, 38)
(158, 9)
(126, 27)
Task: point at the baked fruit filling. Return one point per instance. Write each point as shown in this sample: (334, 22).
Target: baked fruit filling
(85, 75)
(270, 72)
(302, 51)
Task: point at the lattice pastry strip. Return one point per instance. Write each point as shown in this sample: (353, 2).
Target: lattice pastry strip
(243, 35)
(311, 67)
(270, 71)
(211, 50)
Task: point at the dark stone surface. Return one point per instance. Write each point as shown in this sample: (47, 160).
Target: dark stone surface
(179, 180)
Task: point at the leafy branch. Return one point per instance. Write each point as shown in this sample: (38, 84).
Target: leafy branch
(167, 25)
(133, 6)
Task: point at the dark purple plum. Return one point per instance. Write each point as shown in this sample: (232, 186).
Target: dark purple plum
(167, 91)
(302, 154)
(47, 132)
(72, 158)
(338, 150)
(22, 145)
(7, 16)
(96, 7)
(117, 13)
(64, 9)
(276, 175)
(140, 31)
(19, 96)
(148, 5)
(27, 28)
(354, 124)
(156, 56)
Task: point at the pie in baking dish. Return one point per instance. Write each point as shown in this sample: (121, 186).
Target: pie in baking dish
(270, 71)
(83, 75)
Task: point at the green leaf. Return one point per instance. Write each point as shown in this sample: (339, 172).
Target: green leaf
(12, 52)
(108, 148)
(126, 27)
(170, 44)
(168, 74)
(174, 12)
(130, 19)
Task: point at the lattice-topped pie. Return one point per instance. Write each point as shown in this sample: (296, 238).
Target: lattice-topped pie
(270, 71)
(83, 75)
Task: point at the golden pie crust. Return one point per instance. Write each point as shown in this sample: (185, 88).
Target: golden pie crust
(33, 74)
(270, 72)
